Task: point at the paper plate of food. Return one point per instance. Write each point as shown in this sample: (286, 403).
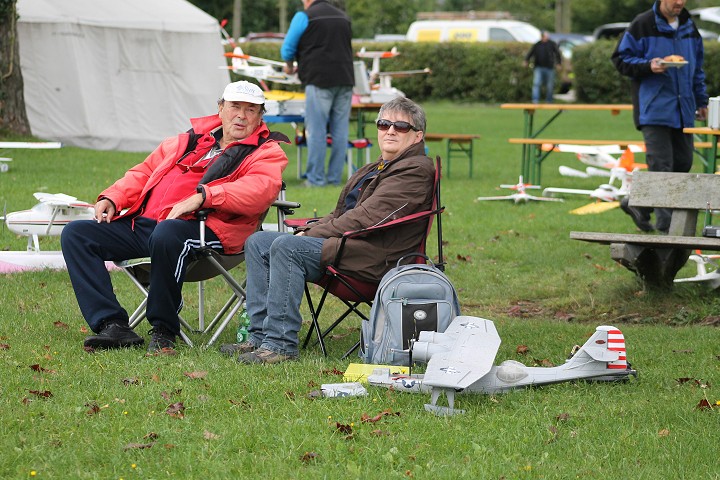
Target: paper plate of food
(674, 61)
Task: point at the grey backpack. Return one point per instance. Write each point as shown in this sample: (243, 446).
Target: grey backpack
(411, 298)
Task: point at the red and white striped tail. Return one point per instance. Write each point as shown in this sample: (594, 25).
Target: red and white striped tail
(616, 343)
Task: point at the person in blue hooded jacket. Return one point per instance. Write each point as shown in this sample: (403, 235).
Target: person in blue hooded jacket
(665, 98)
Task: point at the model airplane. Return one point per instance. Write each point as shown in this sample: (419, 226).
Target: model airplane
(708, 270)
(48, 217)
(606, 192)
(262, 69)
(520, 194)
(460, 360)
(376, 86)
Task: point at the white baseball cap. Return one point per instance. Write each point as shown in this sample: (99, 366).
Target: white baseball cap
(243, 92)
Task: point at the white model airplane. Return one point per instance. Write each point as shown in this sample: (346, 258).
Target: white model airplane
(520, 194)
(262, 69)
(460, 360)
(381, 82)
(48, 217)
(606, 192)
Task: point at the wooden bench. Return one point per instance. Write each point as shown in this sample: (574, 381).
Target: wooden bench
(456, 143)
(656, 259)
(541, 150)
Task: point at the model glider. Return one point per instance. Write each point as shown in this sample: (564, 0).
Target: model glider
(520, 195)
(48, 217)
(262, 69)
(460, 360)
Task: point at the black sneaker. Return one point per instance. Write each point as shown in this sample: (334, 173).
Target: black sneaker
(160, 340)
(114, 335)
(640, 221)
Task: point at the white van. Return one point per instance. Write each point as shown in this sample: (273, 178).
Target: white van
(472, 31)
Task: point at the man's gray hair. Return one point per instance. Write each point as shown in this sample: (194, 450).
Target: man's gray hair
(407, 107)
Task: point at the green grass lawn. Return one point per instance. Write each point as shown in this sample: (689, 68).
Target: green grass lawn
(65, 413)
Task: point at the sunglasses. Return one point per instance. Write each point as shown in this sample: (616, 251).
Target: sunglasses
(401, 127)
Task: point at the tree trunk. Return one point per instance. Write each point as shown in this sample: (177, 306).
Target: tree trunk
(13, 117)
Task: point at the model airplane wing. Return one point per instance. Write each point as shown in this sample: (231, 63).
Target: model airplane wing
(60, 200)
(471, 344)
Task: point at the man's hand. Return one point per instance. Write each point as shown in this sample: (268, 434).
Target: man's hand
(289, 68)
(104, 211)
(188, 205)
(656, 66)
(701, 114)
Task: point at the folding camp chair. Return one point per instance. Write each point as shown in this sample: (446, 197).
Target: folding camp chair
(354, 292)
(208, 264)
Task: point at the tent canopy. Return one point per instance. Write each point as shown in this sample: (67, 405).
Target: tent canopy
(115, 75)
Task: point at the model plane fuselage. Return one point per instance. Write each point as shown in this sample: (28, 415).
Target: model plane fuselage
(461, 360)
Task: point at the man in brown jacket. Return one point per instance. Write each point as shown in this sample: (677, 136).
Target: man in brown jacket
(278, 265)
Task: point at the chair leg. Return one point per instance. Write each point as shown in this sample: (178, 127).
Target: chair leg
(315, 327)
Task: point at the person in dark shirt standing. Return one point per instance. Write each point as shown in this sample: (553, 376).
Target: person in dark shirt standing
(319, 38)
(545, 55)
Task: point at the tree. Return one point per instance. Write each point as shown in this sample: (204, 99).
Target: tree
(13, 118)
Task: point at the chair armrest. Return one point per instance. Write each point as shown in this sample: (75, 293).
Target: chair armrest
(415, 217)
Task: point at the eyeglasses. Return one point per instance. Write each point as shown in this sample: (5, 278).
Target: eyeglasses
(401, 127)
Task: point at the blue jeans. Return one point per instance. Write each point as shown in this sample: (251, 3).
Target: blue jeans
(543, 76)
(327, 109)
(278, 265)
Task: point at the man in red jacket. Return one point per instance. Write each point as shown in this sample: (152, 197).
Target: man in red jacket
(229, 162)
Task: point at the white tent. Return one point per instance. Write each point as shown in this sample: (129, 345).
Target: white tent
(118, 74)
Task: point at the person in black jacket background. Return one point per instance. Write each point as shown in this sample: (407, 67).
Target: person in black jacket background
(545, 56)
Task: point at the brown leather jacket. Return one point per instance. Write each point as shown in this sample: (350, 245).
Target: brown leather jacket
(404, 186)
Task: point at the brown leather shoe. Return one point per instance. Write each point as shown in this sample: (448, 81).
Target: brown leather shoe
(263, 355)
(233, 349)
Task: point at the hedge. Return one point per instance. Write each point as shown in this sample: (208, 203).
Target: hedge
(494, 73)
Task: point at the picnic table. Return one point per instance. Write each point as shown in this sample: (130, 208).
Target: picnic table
(708, 148)
(532, 152)
(656, 259)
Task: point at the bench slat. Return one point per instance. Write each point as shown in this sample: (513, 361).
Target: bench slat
(658, 241)
(675, 190)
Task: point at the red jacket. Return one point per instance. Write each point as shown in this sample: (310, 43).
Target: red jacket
(239, 199)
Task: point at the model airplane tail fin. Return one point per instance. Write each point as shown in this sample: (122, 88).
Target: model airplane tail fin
(627, 160)
(607, 345)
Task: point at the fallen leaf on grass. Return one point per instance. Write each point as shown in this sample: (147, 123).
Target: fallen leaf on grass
(4, 346)
(196, 375)
(210, 436)
(41, 394)
(704, 405)
(343, 428)
(365, 418)
(150, 436)
(599, 267)
(563, 417)
(167, 396)
(664, 432)
(138, 446)
(308, 457)
(60, 324)
(38, 368)
(165, 351)
(543, 363)
(131, 381)
(94, 408)
(176, 410)
(334, 371)
(464, 258)
(379, 433)
(240, 403)
(522, 349)
(83, 329)
(711, 321)
(290, 395)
